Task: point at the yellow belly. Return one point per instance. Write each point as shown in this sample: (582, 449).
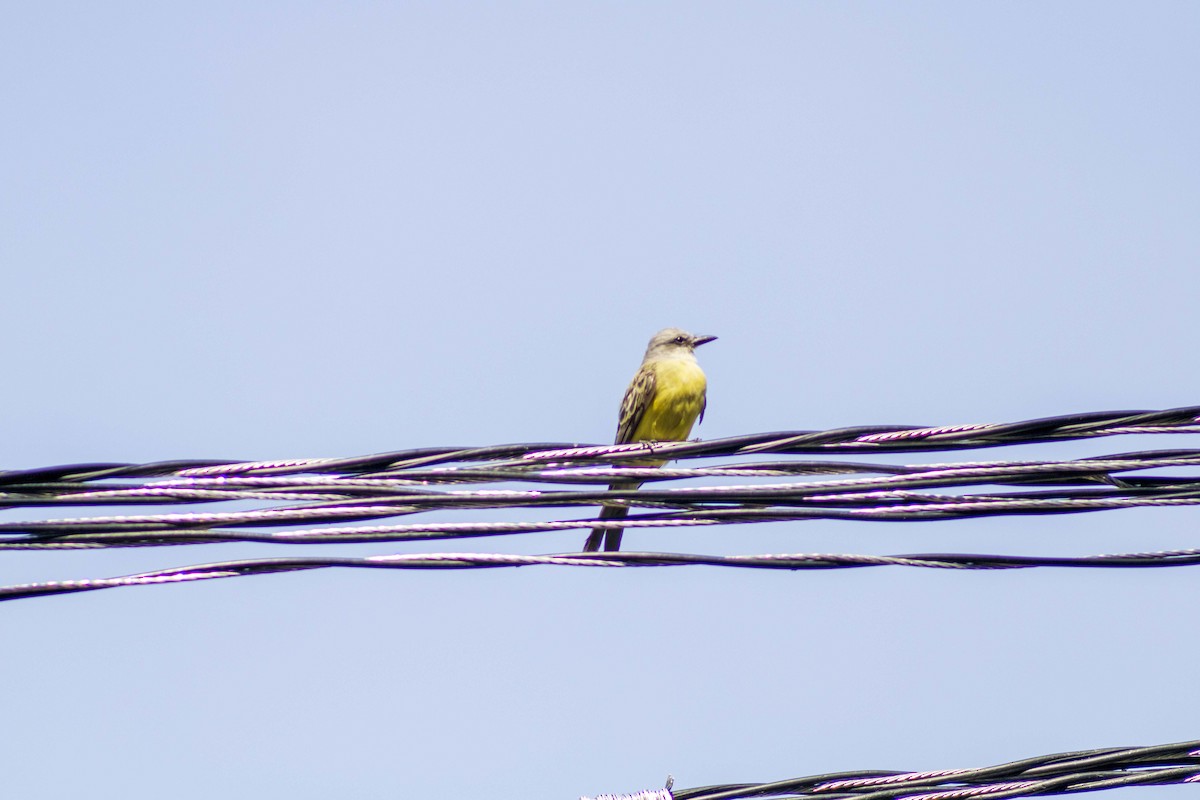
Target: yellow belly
(678, 399)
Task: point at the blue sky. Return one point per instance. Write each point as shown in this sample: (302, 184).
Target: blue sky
(268, 230)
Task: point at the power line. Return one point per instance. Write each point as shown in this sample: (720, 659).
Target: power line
(462, 561)
(324, 501)
(1060, 773)
(331, 501)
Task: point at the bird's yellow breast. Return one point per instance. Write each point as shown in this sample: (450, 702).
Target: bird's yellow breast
(679, 387)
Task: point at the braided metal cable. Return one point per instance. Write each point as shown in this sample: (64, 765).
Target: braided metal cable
(1060, 773)
(324, 501)
(460, 561)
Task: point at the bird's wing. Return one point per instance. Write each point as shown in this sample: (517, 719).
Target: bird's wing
(633, 407)
(703, 405)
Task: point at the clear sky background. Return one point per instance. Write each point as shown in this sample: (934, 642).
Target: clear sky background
(269, 230)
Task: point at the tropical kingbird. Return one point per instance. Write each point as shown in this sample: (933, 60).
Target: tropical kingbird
(664, 400)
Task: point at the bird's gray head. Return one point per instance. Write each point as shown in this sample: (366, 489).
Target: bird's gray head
(673, 343)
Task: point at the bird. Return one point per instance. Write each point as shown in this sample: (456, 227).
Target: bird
(664, 400)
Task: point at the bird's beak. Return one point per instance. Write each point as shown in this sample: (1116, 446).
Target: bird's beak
(699, 340)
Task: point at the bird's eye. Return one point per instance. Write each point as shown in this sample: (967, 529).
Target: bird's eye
(680, 339)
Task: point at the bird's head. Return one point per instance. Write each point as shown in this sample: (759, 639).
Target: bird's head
(674, 342)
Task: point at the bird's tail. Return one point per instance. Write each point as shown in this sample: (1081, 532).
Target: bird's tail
(610, 536)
